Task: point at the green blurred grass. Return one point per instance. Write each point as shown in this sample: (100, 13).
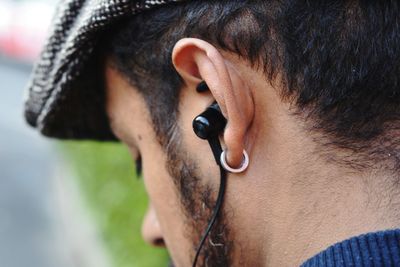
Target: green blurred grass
(117, 200)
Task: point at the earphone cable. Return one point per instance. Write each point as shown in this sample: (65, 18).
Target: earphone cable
(216, 148)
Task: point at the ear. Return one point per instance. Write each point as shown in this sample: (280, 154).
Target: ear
(196, 60)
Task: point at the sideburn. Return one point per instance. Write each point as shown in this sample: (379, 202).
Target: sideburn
(198, 202)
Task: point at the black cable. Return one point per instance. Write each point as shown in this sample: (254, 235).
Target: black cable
(217, 150)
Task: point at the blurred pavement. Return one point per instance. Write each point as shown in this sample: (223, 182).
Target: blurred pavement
(36, 214)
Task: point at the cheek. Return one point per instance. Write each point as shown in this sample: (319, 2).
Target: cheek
(163, 195)
(158, 183)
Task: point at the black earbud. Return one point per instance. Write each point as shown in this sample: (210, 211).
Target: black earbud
(210, 123)
(202, 87)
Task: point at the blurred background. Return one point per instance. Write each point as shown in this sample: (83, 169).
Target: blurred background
(62, 204)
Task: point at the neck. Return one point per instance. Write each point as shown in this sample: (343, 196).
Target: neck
(313, 205)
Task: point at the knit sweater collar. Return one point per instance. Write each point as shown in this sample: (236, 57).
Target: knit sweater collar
(372, 249)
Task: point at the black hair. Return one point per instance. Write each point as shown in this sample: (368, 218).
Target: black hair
(339, 62)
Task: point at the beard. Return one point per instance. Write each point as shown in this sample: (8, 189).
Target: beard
(198, 201)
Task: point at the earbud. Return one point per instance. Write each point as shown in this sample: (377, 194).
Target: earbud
(202, 87)
(210, 123)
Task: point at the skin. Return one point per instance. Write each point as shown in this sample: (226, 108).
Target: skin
(290, 204)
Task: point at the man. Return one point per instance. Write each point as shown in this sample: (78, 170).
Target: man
(309, 89)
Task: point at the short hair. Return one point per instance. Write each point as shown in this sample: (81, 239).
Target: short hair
(339, 62)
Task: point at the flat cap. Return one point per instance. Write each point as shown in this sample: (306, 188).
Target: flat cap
(64, 97)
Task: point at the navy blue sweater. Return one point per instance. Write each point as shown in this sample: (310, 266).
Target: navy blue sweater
(372, 249)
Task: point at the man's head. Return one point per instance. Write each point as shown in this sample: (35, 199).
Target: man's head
(309, 88)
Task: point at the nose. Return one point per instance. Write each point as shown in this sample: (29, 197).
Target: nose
(151, 230)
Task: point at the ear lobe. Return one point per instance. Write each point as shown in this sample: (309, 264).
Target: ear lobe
(196, 60)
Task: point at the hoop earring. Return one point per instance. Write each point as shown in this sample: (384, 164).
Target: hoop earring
(243, 165)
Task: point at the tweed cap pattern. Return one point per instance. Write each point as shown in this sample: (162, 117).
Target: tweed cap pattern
(64, 99)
